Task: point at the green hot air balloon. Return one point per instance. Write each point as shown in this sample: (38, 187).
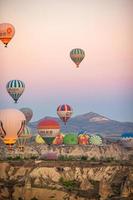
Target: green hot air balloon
(24, 138)
(77, 55)
(70, 139)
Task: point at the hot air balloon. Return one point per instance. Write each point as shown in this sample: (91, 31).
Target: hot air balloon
(23, 139)
(39, 140)
(127, 139)
(12, 123)
(28, 113)
(96, 140)
(70, 139)
(77, 55)
(15, 88)
(58, 139)
(82, 131)
(83, 139)
(64, 112)
(48, 129)
(7, 32)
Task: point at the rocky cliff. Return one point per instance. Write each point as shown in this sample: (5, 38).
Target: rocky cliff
(72, 181)
(115, 151)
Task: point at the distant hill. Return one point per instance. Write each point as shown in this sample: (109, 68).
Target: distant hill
(92, 123)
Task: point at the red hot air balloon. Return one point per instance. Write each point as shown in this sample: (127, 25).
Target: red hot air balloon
(7, 32)
(64, 112)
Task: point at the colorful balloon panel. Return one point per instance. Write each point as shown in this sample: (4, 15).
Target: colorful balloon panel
(39, 140)
(48, 140)
(64, 112)
(77, 55)
(15, 88)
(7, 32)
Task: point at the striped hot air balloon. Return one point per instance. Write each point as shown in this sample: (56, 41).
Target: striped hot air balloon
(64, 112)
(24, 137)
(48, 129)
(96, 140)
(77, 55)
(7, 32)
(15, 88)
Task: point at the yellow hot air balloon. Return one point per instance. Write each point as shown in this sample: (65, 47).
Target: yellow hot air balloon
(12, 123)
(7, 32)
(39, 140)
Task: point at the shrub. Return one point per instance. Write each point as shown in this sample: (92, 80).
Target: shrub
(69, 184)
(93, 159)
(109, 159)
(33, 157)
(84, 158)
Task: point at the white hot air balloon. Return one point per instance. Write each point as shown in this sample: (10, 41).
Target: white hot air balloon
(12, 123)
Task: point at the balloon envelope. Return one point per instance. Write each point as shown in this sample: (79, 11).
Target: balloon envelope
(7, 32)
(48, 129)
(39, 140)
(64, 112)
(12, 123)
(58, 139)
(70, 139)
(83, 139)
(28, 113)
(15, 88)
(24, 137)
(77, 55)
(96, 140)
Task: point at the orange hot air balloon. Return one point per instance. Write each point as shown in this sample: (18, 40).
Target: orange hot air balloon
(12, 123)
(7, 32)
(83, 139)
(58, 139)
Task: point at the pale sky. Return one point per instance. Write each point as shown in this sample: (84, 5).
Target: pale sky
(46, 31)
